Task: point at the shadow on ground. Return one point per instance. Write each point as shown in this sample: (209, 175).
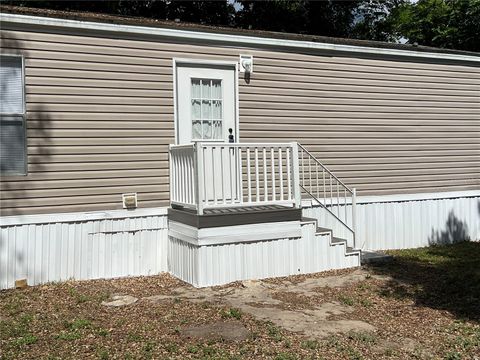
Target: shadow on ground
(444, 276)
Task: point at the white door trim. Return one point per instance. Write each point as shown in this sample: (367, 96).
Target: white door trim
(182, 61)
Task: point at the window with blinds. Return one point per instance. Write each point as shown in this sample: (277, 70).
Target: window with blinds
(12, 116)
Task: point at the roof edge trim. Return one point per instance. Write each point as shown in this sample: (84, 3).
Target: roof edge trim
(225, 38)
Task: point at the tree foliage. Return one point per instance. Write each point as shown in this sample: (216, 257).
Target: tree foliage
(440, 23)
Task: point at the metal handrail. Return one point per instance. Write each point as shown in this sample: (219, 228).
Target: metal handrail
(307, 185)
(331, 212)
(326, 169)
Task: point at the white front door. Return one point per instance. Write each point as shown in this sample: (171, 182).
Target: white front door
(206, 111)
(206, 108)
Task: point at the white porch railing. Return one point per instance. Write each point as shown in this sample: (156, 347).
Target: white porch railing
(224, 175)
(327, 190)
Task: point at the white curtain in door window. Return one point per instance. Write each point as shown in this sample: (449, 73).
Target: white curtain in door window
(207, 113)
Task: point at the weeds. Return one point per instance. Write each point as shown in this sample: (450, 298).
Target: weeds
(274, 332)
(310, 344)
(362, 336)
(231, 313)
(347, 300)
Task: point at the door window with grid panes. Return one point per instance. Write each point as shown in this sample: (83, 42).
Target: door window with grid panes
(207, 113)
(205, 103)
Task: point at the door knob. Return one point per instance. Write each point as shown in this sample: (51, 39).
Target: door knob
(231, 138)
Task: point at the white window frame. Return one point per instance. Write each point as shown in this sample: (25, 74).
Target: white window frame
(23, 115)
(185, 61)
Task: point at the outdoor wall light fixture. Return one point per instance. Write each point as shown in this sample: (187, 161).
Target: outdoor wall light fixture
(246, 64)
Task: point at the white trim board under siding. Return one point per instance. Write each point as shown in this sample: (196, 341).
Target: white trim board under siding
(232, 39)
(81, 216)
(159, 211)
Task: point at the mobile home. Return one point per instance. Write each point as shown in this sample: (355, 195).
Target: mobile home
(134, 147)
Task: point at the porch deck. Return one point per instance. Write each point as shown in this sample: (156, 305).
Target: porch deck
(235, 216)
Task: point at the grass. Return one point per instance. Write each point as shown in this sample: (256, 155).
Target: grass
(442, 277)
(362, 336)
(430, 297)
(232, 313)
(274, 332)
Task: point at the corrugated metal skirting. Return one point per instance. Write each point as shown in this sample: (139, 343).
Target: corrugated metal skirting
(221, 264)
(94, 249)
(412, 224)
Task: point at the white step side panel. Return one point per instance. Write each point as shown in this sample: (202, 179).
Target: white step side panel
(221, 264)
(102, 248)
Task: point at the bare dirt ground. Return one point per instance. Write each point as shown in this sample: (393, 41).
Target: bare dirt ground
(424, 305)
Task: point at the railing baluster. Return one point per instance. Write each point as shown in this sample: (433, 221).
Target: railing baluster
(338, 201)
(289, 180)
(345, 204)
(316, 173)
(239, 164)
(354, 216)
(265, 181)
(213, 176)
(257, 195)
(230, 156)
(204, 173)
(173, 177)
(192, 177)
(182, 177)
(324, 189)
(249, 177)
(280, 171)
(310, 174)
(331, 193)
(222, 171)
(272, 158)
(303, 169)
(185, 176)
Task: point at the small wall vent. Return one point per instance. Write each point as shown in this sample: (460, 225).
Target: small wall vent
(129, 200)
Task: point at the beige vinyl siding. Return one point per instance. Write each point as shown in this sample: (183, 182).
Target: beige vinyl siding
(100, 118)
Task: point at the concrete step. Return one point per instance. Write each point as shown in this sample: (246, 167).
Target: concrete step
(374, 257)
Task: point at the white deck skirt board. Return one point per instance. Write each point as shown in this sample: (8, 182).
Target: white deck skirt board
(234, 234)
(83, 249)
(231, 39)
(410, 224)
(220, 264)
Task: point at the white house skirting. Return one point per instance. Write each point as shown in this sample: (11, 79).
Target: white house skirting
(56, 247)
(410, 224)
(86, 249)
